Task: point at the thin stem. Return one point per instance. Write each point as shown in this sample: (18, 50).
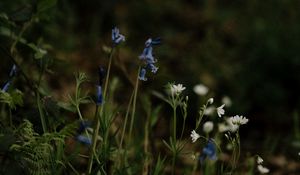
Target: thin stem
(174, 124)
(42, 117)
(94, 140)
(134, 103)
(99, 110)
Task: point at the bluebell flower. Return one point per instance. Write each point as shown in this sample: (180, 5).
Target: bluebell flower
(147, 57)
(83, 125)
(209, 151)
(6, 86)
(84, 139)
(13, 71)
(152, 67)
(99, 98)
(142, 75)
(101, 73)
(116, 37)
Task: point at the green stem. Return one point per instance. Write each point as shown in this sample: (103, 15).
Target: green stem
(134, 103)
(42, 117)
(97, 118)
(94, 141)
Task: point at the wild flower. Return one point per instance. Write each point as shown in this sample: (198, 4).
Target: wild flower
(147, 57)
(6, 86)
(200, 89)
(116, 37)
(177, 89)
(262, 169)
(222, 127)
(259, 160)
(220, 110)
(99, 99)
(12, 74)
(209, 151)
(195, 136)
(209, 110)
(208, 126)
(210, 101)
(142, 75)
(13, 71)
(230, 126)
(227, 101)
(84, 139)
(239, 120)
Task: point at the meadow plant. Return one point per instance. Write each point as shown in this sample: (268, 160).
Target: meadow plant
(109, 141)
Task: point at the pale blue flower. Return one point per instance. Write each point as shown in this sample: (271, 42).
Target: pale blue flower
(84, 139)
(99, 98)
(152, 67)
(116, 37)
(6, 86)
(13, 71)
(142, 75)
(209, 151)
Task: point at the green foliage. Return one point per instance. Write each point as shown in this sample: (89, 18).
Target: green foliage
(12, 99)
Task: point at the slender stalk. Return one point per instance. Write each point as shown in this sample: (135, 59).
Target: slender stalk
(98, 114)
(134, 103)
(146, 146)
(42, 117)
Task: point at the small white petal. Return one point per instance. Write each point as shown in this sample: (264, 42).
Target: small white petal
(262, 169)
(200, 89)
(208, 126)
(259, 160)
(220, 110)
(210, 101)
(194, 136)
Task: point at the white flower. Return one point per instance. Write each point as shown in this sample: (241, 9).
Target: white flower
(210, 101)
(262, 169)
(259, 160)
(209, 111)
(194, 136)
(222, 127)
(200, 89)
(227, 101)
(220, 110)
(230, 126)
(239, 120)
(177, 89)
(208, 126)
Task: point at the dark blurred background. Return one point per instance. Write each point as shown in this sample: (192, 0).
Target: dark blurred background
(247, 50)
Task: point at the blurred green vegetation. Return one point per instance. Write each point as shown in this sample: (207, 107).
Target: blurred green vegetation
(247, 50)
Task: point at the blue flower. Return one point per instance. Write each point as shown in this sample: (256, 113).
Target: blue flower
(13, 71)
(99, 97)
(147, 57)
(142, 75)
(83, 125)
(6, 86)
(101, 73)
(116, 37)
(209, 151)
(84, 139)
(152, 67)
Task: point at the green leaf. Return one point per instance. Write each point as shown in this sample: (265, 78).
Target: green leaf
(12, 99)
(44, 5)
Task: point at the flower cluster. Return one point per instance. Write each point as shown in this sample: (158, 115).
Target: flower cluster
(176, 89)
(147, 57)
(209, 151)
(12, 74)
(81, 137)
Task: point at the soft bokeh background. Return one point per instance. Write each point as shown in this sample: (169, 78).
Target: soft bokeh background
(246, 50)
